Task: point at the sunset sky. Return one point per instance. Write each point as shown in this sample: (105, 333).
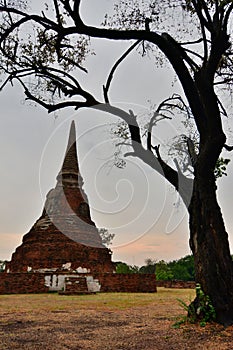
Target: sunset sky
(147, 217)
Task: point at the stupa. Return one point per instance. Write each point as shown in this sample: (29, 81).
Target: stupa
(64, 237)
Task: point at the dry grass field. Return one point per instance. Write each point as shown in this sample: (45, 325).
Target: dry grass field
(114, 321)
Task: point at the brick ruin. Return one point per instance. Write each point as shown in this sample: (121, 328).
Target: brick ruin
(176, 284)
(64, 246)
(75, 283)
(64, 236)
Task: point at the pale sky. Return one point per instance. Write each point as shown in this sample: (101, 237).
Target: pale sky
(134, 203)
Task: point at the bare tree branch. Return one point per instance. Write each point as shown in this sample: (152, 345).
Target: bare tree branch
(118, 62)
(165, 105)
(228, 148)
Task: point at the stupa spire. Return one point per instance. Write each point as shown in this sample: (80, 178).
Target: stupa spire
(70, 166)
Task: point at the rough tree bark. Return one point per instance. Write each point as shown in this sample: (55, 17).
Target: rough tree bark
(208, 237)
(210, 247)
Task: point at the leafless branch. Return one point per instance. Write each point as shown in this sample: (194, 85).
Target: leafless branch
(222, 108)
(191, 42)
(165, 105)
(228, 148)
(194, 53)
(118, 62)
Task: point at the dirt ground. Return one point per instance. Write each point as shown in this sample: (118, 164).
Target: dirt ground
(104, 321)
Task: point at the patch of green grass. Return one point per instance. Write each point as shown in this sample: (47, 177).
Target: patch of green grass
(111, 301)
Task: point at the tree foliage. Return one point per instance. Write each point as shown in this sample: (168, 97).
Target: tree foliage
(122, 267)
(181, 269)
(106, 236)
(149, 267)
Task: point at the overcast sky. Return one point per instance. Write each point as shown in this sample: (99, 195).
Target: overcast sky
(134, 203)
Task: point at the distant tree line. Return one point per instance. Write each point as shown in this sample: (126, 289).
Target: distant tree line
(181, 269)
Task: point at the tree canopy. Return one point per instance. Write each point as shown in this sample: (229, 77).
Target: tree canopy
(45, 52)
(181, 269)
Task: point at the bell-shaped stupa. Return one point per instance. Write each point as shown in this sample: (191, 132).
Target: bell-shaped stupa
(64, 236)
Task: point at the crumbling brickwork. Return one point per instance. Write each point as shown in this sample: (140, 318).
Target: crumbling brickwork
(176, 284)
(21, 283)
(131, 283)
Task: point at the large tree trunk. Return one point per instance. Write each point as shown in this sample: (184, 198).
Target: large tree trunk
(210, 247)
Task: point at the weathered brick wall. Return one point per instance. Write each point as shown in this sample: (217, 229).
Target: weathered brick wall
(176, 284)
(135, 283)
(16, 283)
(20, 283)
(75, 284)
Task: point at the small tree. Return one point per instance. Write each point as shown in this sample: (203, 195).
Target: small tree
(150, 266)
(106, 236)
(163, 271)
(122, 267)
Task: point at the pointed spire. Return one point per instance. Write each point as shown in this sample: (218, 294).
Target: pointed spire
(70, 164)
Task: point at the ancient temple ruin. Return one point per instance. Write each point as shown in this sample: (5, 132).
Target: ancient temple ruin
(64, 237)
(63, 251)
